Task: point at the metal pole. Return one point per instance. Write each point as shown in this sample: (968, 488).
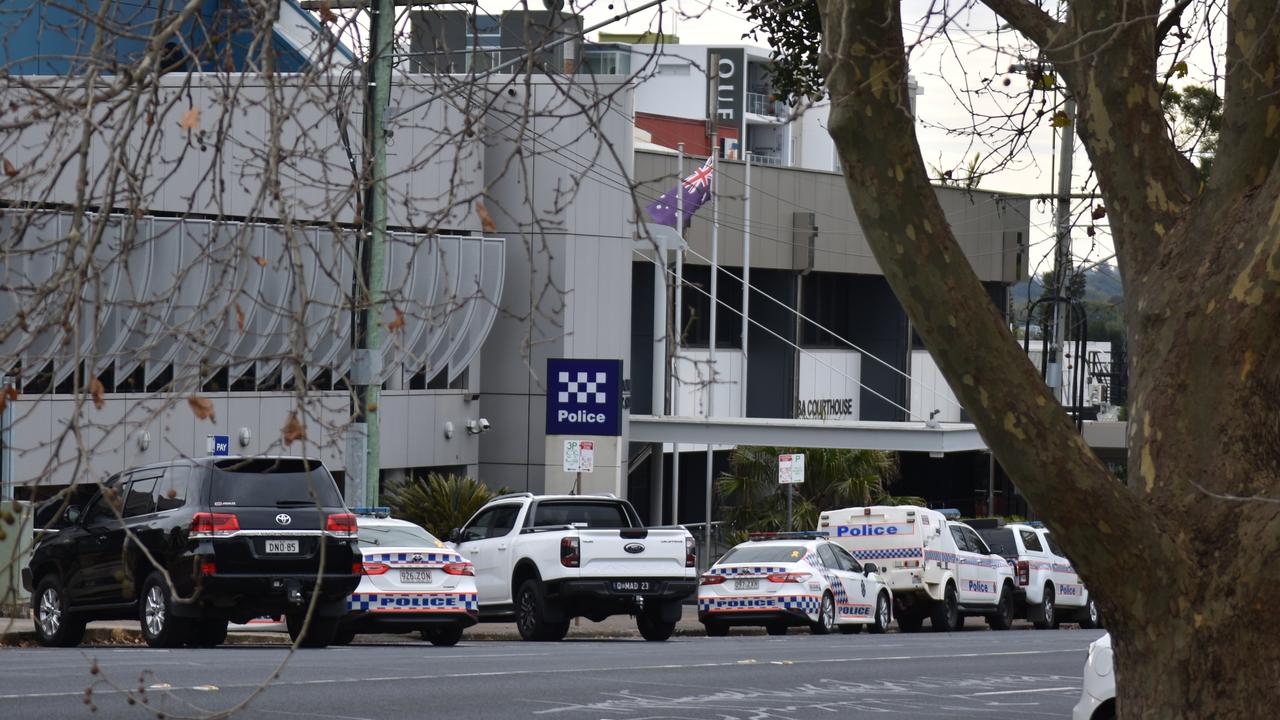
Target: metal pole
(991, 484)
(1062, 249)
(678, 327)
(746, 275)
(789, 489)
(715, 271)
(7, 489)
(658, 394)
(367, 368)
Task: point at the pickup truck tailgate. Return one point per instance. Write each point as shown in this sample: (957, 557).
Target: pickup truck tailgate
(633, 553)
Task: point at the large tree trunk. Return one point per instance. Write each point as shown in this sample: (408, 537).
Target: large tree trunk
(1182, 559)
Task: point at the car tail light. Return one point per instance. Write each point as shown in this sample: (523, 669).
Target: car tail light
(569, 556)
(460, 568)
(1023, 571)
(374, 568)
(690, 552)
(795, 577)
(341, 525)
(712, 580)
(208, 568)
(207, 525)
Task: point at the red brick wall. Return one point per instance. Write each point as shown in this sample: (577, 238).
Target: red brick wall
(670, 131)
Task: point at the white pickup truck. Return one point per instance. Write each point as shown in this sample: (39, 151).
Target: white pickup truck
(543, 560)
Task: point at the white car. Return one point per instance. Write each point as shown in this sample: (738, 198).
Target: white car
(780, 580)
(1048, 590)
(1098, 699)
(411, 582)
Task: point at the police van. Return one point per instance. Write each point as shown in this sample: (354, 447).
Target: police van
(937, 569)
(1047, 588)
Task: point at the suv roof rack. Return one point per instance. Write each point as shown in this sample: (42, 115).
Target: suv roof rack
(986, 523)
(513, 495)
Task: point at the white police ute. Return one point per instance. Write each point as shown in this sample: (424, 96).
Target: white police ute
(782, 580)
(936, 568)
(1047, 590)
(411, 582)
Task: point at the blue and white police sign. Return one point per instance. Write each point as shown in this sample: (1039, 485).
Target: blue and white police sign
(219, 445)
(584, 397)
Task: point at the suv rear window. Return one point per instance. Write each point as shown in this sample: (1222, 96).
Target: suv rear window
(764, 553)
(269, 482)
(589, 514)
(1000, 541)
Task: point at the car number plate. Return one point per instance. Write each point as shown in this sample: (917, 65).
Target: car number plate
(632, 586)
(282, 546)
(746, 584)
(415, 576)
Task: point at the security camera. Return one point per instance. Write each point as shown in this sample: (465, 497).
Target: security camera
(484, 424)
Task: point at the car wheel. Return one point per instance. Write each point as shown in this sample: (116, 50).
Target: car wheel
(160, 628)
(653, 629)
(776, 628)
(945, 615)
(207, 633)
(531, 616)
(320, 633)
(1090, 617)
(1048, 611)
(881, 624)
(344, 635)
(826, 616)
(851, 629)
(910, 622)
(716, 629)
(55, 626)
(443, 635)
(1003, 617)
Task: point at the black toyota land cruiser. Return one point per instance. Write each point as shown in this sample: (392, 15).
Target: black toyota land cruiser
(238, 538)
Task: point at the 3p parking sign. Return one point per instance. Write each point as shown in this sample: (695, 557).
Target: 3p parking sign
(584, 397)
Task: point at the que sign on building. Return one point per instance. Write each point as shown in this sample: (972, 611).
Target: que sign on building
(584, 397)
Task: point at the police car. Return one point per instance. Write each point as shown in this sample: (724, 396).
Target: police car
(782, 580)
(411, 582)
(1048, 590)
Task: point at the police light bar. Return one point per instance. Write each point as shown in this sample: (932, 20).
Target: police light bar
(795, 535)
(378, 512)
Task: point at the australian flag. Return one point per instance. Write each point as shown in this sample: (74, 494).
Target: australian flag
(696, 189)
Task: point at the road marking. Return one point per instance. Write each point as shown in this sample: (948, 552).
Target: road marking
(1022, 692)
(559, 671)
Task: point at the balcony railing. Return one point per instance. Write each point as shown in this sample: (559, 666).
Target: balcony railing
(766, 158)
(762, 104)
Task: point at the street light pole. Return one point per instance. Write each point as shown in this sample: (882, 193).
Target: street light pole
(1062, 249)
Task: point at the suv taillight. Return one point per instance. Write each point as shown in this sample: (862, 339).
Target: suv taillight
(690, 552)
(569, 556)
(460, 568)
(207, 525)
(1022, 570)
(788, 577)
(341, 525)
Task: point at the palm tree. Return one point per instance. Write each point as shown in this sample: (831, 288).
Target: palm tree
(834, 478)
(438, 502)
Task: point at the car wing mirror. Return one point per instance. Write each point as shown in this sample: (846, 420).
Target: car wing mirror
(868, 568)
(455, 536)
(73, 515)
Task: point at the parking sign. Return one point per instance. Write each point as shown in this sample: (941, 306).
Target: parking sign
(791, 469)
(219, 445)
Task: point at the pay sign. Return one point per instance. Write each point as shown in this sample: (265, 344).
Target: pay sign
(791, 469)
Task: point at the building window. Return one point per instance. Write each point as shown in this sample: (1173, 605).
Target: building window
(696, 319)
(606, 62)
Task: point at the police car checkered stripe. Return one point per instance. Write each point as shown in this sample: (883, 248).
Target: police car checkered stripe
(415, 558)
(807, 604)
(887, 553)
(730, 571)
(413, 602)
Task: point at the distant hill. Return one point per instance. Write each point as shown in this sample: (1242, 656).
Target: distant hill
(1102, 284)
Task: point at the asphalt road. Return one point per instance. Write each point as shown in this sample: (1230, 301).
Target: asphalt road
(970, 674)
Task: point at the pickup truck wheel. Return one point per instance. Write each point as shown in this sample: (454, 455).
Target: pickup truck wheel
(444, 635)
(716, 629)
(1089, 616)
(320, 632)
(344, 636)
(826, 616)
(1003, 617)
(910, 622)
(207, 633)
(945, 614)
(881, 624)
(55, 626)
(1048, 611)
(652, 628)
(160, 628)
(531, 615)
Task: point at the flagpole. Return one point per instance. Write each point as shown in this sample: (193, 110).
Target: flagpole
(746, 274)
(715, 272)
(677, 329)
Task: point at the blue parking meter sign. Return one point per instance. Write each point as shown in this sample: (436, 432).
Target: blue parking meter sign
(584, 397)
(219, 445)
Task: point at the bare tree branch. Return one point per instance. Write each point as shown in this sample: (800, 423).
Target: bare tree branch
(1027, 19)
